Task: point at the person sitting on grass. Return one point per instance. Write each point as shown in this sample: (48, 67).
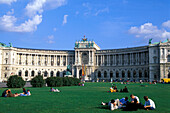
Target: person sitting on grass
(113, 104)
(5, 92)
(112, 89)
(54, 90)
(132, 106)
(149, 104)
(28, 92)
(125, 89)
(134, 97)
(115, 88)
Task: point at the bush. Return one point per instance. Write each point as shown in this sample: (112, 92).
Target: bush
(15, 82)
(38, 81)
(62, 81)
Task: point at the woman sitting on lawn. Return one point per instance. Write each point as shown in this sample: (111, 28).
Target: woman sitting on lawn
(54, 90)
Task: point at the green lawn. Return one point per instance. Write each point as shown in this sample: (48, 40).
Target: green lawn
(87, 99)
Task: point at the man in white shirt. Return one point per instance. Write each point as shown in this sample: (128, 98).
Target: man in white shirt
(113, 104)
(134, 97)
(149, 104)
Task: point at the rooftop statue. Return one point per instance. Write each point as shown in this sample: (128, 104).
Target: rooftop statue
(150, 41)
(84, 39)
(10, 45)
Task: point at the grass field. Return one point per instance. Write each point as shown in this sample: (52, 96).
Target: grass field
(87, 99)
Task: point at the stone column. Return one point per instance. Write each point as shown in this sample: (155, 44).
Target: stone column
(97, 60)
(89, 58)
(75, 57)
(77, 72)
(66, 59)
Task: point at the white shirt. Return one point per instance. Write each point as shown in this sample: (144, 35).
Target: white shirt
(136, 99)
(150, 103)
(112, 107)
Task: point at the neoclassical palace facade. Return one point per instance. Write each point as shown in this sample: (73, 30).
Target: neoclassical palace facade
(147, 63)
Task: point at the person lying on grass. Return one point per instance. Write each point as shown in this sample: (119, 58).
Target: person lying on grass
(10, 94)
(54, 90)
(149, 104)
(25, 93)
(112, 104)
(115, 104)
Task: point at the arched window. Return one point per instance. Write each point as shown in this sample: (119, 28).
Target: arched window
(140, 74)
(111, 74)
(99, 74)
(155, 76)
(117, 74)
(146, 74)
(45, 74)
(39, 72)
(105, 74)
(123, 74)
(20, 73)
(5, 75)
(129, 74)
(26, 73)
(52, 73)
(134, 74)
(32, 73)
(168, 58)
(58, 74)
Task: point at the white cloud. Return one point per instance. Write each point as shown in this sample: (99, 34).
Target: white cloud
(148, 30)
(65, 19)
(7, 1)
(102, 11)
(50, 39)
(7, 23)
(51, 4)
(33, 10)
(35, 7)
(166, 24)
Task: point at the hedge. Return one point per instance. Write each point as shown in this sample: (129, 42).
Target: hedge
(62, 81)
(15, 82)
(38, 81)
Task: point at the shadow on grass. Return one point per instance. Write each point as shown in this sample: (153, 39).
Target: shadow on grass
(103, 107)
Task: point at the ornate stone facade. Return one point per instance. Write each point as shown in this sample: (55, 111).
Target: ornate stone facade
(147, 63)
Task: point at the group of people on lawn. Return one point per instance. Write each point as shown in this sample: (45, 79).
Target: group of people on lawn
(8, 93)
(133, 105)
(114, 89)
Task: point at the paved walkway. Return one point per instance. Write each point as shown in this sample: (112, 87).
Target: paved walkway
(2, 84)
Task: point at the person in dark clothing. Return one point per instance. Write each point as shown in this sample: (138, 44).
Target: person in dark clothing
(4, 94)
(125, 89)
(24, 91)
(132, 106)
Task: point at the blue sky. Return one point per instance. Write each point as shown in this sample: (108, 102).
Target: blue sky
(57, 24)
